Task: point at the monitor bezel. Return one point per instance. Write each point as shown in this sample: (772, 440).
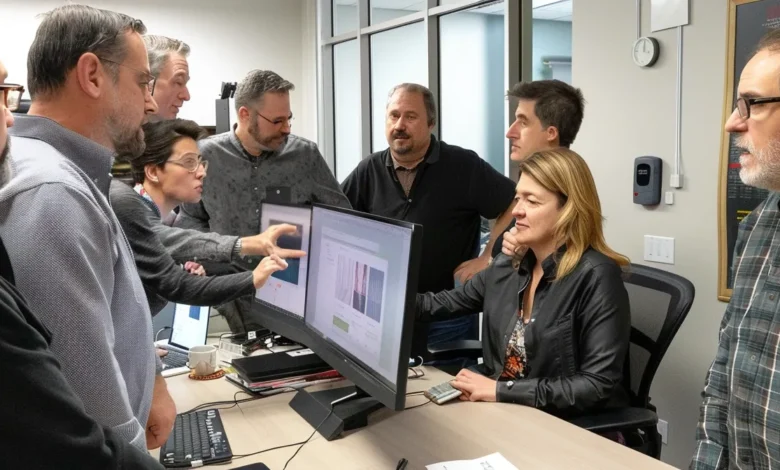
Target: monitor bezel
(362, 375)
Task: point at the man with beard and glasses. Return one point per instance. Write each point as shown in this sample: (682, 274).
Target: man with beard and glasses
(59, 429)
(256, 161)
(739, 425)
(441, 186)
(88, 76)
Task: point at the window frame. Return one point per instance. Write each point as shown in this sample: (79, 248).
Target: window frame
(517, 62)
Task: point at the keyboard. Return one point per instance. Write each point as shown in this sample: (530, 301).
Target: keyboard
(174, 359)
(197, 439)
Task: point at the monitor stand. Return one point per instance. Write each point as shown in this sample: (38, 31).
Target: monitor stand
(350, 412)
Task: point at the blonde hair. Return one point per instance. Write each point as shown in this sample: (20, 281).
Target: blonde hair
(565, 173)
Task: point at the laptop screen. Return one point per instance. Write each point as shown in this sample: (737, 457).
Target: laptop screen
(190, 326)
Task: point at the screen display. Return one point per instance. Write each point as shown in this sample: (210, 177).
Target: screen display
(287, 289)
(357, 287)
(190, 325)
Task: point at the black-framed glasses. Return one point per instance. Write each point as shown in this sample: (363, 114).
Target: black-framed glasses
(191, 163)
(12, 95)
(278, 122)
(150, 79)
(744, 104)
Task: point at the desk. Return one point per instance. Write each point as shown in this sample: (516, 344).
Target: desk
(527, 437)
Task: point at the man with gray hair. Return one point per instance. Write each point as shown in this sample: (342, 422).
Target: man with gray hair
(168, 63)
(89, 79)
(258, 160)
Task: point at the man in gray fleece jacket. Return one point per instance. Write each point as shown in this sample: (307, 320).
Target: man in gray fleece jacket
(89, 81)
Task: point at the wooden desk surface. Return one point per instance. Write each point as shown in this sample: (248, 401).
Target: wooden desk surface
(429, 434)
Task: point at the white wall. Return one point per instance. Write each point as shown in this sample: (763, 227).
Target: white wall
(228, 38)
(631, 112)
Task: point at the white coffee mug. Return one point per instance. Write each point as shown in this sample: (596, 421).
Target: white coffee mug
(203, 359)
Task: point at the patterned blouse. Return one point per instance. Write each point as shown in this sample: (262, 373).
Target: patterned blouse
(516, 364)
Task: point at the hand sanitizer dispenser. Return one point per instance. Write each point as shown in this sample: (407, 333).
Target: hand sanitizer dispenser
(647, 180)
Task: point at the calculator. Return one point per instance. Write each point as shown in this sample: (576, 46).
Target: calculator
(442, 393)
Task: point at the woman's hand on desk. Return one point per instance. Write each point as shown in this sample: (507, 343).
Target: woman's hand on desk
(475, 387)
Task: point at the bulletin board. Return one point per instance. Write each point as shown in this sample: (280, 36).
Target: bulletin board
(748, 21)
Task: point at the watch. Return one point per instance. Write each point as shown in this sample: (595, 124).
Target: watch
(237, 249)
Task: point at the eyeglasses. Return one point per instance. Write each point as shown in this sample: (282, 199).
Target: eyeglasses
(280, 121)
(744, 104)
(150, 79)
(12, 95)
(191, 163)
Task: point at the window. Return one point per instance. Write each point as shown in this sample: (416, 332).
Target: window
(346, 103)
(345, 16)
(552, 40)
(397, 56)
(466, 51)
(386, 10)
(472, 98)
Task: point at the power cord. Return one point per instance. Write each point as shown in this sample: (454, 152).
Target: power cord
(307, 440)
(332, 405)
(157, 335)
(233, 403)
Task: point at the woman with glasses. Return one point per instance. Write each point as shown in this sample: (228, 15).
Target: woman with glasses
(556, 325)
(171, 172)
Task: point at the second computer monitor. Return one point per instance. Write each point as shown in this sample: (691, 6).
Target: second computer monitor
(362, 282)
(286, 289)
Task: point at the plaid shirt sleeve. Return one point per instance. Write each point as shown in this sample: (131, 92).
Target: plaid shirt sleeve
(712, 432)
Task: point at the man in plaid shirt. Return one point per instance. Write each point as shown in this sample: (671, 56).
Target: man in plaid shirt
(739, 425)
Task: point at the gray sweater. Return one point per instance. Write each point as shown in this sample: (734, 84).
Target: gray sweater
(162, 278)
(73, 264)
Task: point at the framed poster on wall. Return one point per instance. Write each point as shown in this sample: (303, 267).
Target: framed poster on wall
(748, 21)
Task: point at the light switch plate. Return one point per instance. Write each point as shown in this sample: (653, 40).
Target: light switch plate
(659, 249)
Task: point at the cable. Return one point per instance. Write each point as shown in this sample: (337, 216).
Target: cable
(233, 403)
(418, 373)
(236, 457)
(157, 335)
(417, 406)
(312, 435)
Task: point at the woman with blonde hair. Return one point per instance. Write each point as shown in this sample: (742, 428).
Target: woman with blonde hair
(556, 325)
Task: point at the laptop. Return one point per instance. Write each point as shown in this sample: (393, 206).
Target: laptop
(190, 328)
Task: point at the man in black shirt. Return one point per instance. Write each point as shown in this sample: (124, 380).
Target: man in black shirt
(548, 115)
(443, 187)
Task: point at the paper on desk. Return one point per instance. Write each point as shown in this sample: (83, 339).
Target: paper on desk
(489, 462)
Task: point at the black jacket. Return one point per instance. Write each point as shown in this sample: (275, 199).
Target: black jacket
(44, 424)
(576, 344)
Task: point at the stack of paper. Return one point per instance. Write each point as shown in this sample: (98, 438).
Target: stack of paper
(489, 462)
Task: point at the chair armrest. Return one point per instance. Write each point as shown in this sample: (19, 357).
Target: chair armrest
(467, 348)
(616, 420)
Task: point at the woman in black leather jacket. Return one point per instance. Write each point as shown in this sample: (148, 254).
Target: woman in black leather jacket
(556, 325)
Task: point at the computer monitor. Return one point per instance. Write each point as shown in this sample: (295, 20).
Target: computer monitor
(360, 308)
(190, 326)
(281, 301)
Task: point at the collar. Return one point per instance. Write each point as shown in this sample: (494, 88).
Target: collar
(139, 188)
(549, 264)
(92, 158)
(431, 156)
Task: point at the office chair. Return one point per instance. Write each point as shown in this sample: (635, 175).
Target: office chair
(660, 301)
